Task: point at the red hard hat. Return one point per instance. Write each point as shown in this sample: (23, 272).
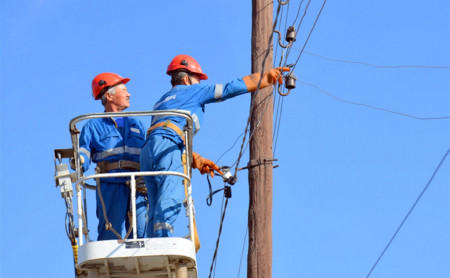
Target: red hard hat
(105, 80)
(188, 63)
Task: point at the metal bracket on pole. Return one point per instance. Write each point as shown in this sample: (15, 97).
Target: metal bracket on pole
(260, 161)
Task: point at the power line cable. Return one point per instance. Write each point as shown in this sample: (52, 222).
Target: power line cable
(213, 263)
(251, 135)
(309, 35)
(245, 132)
(409, 212)
(371, 106)
(298, 12)
(298, 27)
(278, 101)
(244, 148)
(278, 127)
(257, 88)
(237, 139)
(242, 252)
(304, 14)
(372, 65)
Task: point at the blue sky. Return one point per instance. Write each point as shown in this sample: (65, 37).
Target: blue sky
(348, 174)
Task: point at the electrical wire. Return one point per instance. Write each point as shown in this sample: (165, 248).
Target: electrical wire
(213, 263)
(299, 8)
(244, 148)
(257, 89)
(275, 104)
(409, 212)
(298, 28)
(278, 124)
(373, 65)
(309, 35)
(257, 123)
(242, 252)
(279, 109)
(243, 145)
(253, 105)
(304, 14)
(371, 106)
(237, 139)
(277, 99)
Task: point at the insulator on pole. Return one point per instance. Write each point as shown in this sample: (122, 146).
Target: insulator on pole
(290, 81)
(289, 84)
(290, 34)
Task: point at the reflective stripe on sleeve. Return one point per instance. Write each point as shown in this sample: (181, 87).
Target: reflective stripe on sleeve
(135, 130)
(163, 226)
(218, 92)
(119, 150)
(86, 152)
(196, 123)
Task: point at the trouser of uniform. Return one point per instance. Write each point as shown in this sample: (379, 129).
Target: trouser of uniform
(166, 193)
(116, 197)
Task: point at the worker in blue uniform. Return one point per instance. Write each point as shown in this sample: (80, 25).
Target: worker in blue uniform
(114, 144)
(164, 144)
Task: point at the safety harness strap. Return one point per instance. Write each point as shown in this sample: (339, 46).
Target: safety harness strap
(106, 166)
(167, 124)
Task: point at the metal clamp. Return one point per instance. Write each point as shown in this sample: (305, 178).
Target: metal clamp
(260, 161)
(227, 176)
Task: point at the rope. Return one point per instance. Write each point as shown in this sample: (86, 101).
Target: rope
(108, 225)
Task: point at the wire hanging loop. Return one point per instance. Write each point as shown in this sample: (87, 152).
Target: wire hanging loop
(283, 3)
(290, 36)
(289, 84)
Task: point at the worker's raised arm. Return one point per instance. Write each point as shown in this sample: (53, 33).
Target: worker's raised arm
(270, 77)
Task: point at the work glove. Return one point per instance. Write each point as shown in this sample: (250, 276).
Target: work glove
(204, 165)
(72, 162)
(270, 77)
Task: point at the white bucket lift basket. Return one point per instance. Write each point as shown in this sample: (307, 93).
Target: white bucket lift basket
(144, 257)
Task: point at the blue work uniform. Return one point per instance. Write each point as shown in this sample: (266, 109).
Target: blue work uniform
(111, 140)
(164, 147)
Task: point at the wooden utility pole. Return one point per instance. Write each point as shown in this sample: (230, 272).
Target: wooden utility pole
(259, 260)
